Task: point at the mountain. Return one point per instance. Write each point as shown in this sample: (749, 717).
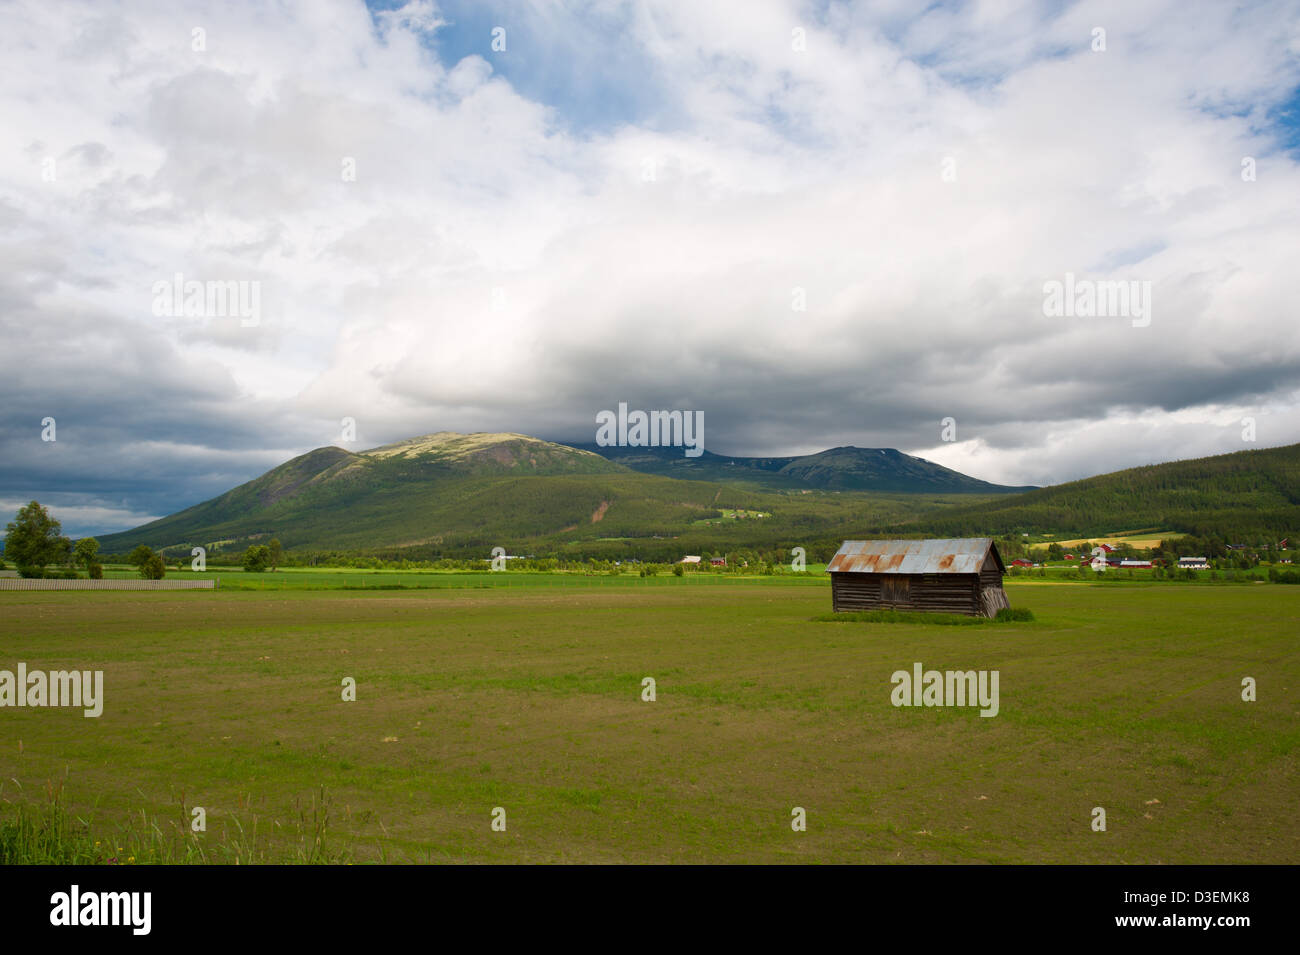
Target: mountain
(847, 469)
(885, 469)
(1237, 495)
(342, 498)
(484, 454)
(449, 493)
(456, 495)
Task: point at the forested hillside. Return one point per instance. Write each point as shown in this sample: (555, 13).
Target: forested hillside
(1246, 493)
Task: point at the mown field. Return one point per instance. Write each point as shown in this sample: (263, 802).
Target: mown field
(527, 696)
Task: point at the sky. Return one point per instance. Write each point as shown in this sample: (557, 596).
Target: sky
(820, 224)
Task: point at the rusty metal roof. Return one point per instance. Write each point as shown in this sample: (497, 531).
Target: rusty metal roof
(959, 556)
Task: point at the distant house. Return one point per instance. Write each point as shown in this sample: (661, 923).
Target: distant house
(937, 576)
(1193, 563)
(690, 559)
(1144, 564)
(1111, 560)
(718, 561)
(1021, 562)
(1107, 548)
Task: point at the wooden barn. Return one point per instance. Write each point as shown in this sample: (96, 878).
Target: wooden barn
(935, 576)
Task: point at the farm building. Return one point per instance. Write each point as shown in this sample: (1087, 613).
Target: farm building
(1193, 563)
(937, 576)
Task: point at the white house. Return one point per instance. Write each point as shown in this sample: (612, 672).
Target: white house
(1193, 563)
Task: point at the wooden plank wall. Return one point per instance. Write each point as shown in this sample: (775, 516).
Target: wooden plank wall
(936, 593)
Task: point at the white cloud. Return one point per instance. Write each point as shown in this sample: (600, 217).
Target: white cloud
(772, 169)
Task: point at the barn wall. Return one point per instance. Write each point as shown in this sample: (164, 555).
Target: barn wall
(992, 597)
(935, 593)
(990, 576)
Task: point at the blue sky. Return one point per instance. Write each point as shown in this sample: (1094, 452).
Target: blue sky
(589, 67)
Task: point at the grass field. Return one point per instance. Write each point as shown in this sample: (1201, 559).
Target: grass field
(528, 697)
(1143, 540)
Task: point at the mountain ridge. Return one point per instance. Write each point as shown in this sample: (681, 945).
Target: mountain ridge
(452, 493)
(840, 468)
(449, 488)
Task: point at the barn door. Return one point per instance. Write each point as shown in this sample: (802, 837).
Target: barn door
(895, 590)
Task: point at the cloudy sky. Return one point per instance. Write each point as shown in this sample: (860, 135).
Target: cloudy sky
(819, 223)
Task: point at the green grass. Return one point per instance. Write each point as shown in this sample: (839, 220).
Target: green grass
(527, 696)
(1005, 615)
(344, 578)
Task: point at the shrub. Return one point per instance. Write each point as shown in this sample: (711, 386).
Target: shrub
(1014, 613)
(96, 571)
(678, 570)
(257, 559)
(154, 568)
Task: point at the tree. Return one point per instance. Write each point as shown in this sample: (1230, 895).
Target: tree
(151, 565)
(86, 552)
(155, 568)
(274, 552)
(33, 540)
(257, 558)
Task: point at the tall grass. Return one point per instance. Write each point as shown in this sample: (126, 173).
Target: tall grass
(46, 832)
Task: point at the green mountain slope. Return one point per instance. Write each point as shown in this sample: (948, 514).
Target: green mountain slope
(486, 454)
(1244, 493)
(450, 493)
(457, 495)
